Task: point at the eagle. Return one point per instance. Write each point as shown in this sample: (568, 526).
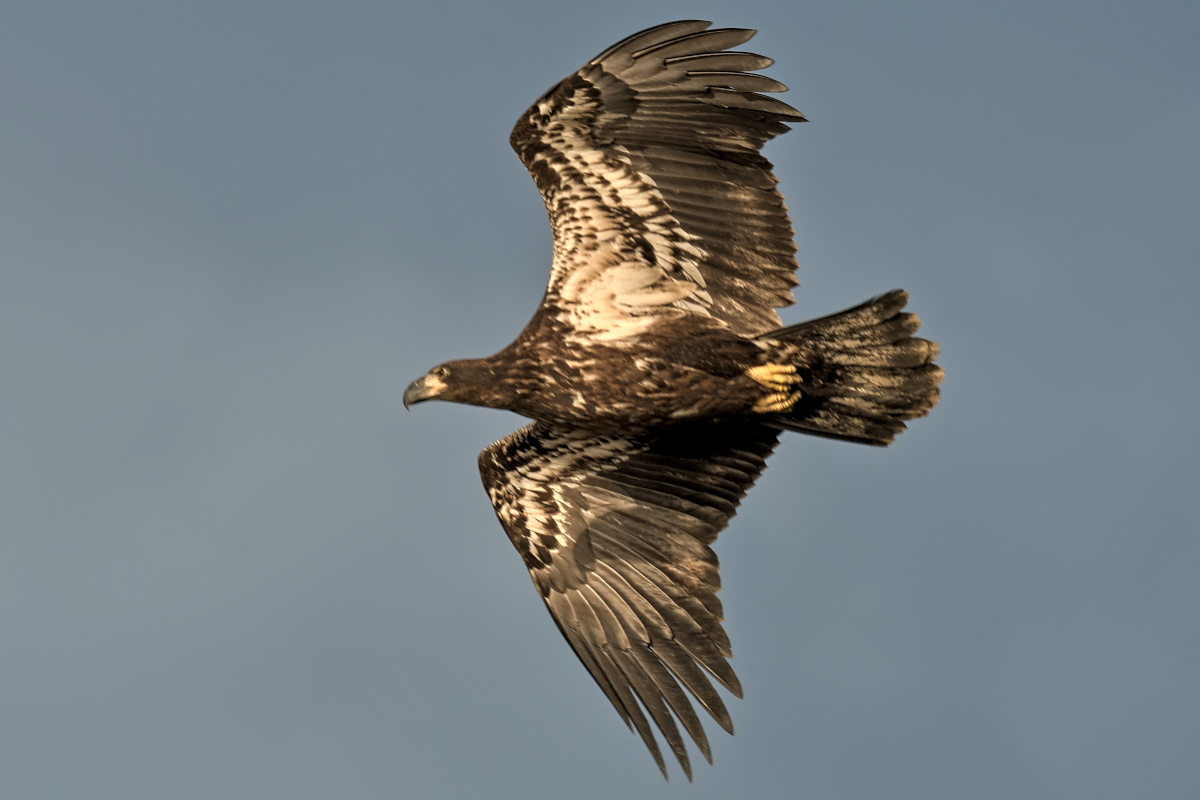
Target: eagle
(656, 371)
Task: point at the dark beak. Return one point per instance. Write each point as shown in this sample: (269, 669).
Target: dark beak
(418, 391)
(415, 393)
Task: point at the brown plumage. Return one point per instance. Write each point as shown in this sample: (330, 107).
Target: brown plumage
(656, 368)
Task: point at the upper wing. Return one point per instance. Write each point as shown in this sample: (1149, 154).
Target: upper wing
(616, 533)
(647, 159)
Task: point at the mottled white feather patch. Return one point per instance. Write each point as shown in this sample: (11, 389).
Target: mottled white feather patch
(539, 493)
(611, 298)
(608, 216)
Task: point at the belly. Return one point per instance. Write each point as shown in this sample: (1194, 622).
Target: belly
(633, 395)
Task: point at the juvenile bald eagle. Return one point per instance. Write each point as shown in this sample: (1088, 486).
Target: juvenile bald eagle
(656, 369)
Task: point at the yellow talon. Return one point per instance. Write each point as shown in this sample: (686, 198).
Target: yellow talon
(776, 377)
(773, 403)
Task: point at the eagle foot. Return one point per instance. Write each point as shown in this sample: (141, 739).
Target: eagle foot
(774, 403)
(776, 377)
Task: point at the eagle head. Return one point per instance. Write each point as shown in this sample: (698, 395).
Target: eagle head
(462, 381)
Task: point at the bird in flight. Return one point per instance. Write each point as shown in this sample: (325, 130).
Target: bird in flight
(657, 373)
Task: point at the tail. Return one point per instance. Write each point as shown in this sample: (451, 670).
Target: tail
(869, 373)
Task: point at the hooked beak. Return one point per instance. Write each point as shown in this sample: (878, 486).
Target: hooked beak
(419, 391)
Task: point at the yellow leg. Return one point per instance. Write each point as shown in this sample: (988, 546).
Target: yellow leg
(780, 380)
(778, 377)
(774, 403)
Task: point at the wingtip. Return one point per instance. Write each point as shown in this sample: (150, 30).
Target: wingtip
(662, 765)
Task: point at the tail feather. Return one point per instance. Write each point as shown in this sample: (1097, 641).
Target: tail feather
(867, 375)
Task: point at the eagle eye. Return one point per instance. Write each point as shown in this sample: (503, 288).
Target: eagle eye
(440, 372)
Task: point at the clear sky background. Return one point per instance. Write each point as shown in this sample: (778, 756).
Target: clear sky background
(231, 565)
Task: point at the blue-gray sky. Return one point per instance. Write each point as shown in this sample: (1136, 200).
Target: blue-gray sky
(232, 566)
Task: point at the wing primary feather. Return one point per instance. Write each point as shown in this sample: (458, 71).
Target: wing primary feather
(602, 665)
(675, 697)
(691, 676)
(654, 626)
(618, 678)
(621, 606)
(677, 662)
(614, 627)
(657, 33)
(738, 81)
(725, 61)
(702, 41)
(682, 627)
(598, 673)
(751, 101)
(652, 701)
